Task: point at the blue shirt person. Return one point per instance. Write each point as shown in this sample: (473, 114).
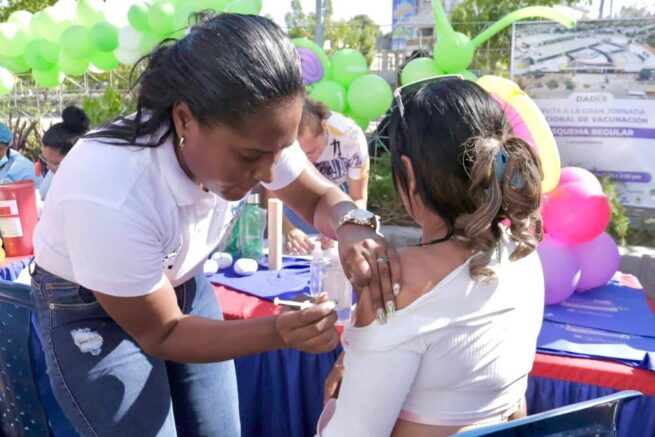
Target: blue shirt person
(14, 166)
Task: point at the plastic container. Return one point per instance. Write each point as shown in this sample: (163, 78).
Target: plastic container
(336, 285)
(316, 271)
(18, 217)
(252, 225)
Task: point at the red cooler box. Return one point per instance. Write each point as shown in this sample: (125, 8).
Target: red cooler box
(18, 217)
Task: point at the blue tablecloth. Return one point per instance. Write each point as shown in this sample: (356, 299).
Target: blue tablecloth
(281, 393)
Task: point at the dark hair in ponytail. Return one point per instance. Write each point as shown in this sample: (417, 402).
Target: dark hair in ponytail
(63, 136)
(469, 169)
(227, 68)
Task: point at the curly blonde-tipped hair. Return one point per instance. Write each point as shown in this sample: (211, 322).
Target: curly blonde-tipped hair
(469, 168)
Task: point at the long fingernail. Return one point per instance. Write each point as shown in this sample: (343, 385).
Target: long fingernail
(382, 316)
(396, 289)
(391, 309)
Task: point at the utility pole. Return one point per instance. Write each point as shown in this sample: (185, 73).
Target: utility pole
(318, 29)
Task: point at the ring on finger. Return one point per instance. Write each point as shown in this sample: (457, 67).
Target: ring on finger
(382, 260)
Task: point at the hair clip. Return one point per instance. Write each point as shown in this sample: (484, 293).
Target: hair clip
(501, 162)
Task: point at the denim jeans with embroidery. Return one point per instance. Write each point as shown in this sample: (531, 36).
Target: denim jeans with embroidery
(108, 386)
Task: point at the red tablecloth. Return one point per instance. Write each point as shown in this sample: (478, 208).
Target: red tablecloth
(237, 305)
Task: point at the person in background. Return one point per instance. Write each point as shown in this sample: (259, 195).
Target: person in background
(59, 139)
(457, 353)
(133, 336)
(337, 147)
(14, 167)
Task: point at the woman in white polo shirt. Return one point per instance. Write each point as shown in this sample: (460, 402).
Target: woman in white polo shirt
(138, 205)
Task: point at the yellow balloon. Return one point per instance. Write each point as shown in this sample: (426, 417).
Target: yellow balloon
(527, 122)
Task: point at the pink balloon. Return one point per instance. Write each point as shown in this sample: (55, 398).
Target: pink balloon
(561, 270)
(516, 122)
(577, 174)
(575, 213)
(598, 260)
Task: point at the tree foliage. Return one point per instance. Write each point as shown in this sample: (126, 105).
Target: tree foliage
(359, 33)
(10, 6)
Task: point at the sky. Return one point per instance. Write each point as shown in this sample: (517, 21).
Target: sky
(380, 10)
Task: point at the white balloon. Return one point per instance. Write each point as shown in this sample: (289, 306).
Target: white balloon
(210, 267)
(67, 9)
(116, 12)
(223, 259)
(94, 69)
(245, 266)
(127, 56)
(129, 38)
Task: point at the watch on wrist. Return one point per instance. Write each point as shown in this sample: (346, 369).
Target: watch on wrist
(359, 217)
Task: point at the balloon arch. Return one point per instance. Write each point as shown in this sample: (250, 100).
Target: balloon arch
(73, 37)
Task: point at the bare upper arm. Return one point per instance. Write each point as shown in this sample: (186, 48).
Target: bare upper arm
(303, 194)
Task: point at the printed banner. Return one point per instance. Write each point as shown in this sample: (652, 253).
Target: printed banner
(595, 84)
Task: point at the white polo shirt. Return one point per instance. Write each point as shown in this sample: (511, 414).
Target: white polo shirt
(120, 218)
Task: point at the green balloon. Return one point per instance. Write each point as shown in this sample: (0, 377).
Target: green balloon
(369, 96)
(39, 24)
(104, 61)
(160, 17)
(453, 57)
(362, 122)
(22, 18)
(15, 65)
(348, 65)
(54, 22)
(6, 81)
(104, 37)
(50, 78)
(137, 16)
(183, 16)
(89, 12)
(316, 50)
(13, 39)
(49, 51)
(330, 93)
(246, 7)
(148, 42)
(469, 75)
(217, 6)
(417, 69)
(71, 66)
(34, 58)
(76, 42)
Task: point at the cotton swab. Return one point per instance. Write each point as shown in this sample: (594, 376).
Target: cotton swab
(293, 304)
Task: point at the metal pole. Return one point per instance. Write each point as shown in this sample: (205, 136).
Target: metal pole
(318, 30)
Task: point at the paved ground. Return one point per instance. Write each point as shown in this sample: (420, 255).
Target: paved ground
(638, 261)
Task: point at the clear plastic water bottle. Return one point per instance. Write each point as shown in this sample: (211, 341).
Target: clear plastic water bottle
(252, 225)
(336, 285)
(316, 271)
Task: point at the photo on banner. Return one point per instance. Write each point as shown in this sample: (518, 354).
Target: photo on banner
(595, 84)
(402, 29)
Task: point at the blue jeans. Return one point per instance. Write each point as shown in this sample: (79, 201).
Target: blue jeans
(108, 386)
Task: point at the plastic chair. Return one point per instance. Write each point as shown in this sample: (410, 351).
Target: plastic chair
(27, 405)
(596, 417)
(20, 404)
